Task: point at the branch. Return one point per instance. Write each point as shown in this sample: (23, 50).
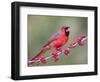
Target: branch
(79, 41)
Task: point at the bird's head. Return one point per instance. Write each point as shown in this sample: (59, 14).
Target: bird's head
(66, 30)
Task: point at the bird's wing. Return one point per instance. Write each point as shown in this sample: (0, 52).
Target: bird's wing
(54, 37)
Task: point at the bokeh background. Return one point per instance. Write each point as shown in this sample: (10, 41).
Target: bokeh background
(40, 28)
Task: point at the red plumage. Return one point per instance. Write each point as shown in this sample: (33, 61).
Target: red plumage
(56, 41)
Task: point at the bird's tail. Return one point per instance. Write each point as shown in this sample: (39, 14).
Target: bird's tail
(39, 54)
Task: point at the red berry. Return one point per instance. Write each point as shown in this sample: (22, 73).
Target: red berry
(80, 40)
(36, 60)
(56, 59)
(66, 52)
(43, 60)
(59, 49)
(54, 54)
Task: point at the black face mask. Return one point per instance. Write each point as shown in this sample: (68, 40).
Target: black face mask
(66, 33)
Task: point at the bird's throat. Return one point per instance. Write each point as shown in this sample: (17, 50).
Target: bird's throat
(67, 34)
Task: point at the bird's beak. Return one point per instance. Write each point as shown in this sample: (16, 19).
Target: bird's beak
(68, 30)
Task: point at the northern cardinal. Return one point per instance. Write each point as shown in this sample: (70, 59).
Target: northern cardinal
(58, 40)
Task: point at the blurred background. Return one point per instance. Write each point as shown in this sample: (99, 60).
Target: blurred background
(41, 28)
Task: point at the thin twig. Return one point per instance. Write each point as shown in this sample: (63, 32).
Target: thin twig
(69, 47)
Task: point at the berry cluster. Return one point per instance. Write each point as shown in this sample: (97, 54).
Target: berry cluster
(55, 55)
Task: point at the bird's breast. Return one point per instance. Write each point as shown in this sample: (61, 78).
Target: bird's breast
(60, 41)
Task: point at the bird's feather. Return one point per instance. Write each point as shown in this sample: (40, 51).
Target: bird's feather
(52, 38)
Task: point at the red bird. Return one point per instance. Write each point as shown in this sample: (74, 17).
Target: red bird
(56, 41)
